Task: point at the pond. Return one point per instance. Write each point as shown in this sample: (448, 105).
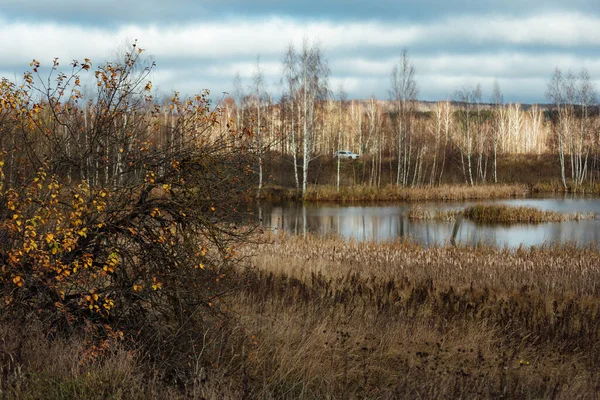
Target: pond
(389, 221)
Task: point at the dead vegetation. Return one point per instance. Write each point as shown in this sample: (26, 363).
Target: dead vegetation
(399, 193)
(320, 317)
(332, 318)
(498, 213)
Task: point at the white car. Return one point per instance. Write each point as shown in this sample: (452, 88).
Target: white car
(345, 154)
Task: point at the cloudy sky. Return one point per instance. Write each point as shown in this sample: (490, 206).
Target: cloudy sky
(199, 44)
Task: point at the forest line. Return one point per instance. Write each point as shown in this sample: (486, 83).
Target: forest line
(420, 139)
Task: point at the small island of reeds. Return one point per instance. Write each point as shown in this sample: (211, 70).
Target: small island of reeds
(499, 213)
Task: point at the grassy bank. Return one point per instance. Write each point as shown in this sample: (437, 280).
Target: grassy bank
(321, 317)
(556, 186)
(397, 193)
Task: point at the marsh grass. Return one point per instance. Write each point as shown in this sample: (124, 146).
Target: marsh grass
(556, 186)
(492, 213)
(498, 213)
(397, 193)
(324, 317)
(31, 367)
(339, 319)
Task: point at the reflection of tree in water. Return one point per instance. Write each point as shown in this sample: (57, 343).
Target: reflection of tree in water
(455, 230)
(389, 223)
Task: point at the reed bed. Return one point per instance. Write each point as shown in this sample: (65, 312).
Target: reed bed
(547, 269)
(419, 213)
(320, 317)
(397, 193)
(336, 319)
(498, 213)
(494, 213)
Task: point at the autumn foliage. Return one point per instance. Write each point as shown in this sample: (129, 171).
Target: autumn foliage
(119, 215)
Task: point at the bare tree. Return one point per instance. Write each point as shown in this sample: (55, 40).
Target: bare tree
(290, 80)
(313, 74)
(258, 89)
(555, 93)
(436, 129)
(403, 94)
(238, 94)
(341, 100)
(480, 138)
(465, 96)
(586, 97)
(498, 101)
(447, 120)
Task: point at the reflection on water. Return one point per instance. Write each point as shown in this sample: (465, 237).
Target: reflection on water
(387, 222)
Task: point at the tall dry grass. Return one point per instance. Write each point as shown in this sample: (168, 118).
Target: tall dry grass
(32, 367)
(337, 319)
(493, 213)
(397, 193)
(323, 317)
(498, 213)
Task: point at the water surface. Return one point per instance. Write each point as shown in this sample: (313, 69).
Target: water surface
(381, 222)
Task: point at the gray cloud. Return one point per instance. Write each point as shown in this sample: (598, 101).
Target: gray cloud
(199, 44)
(109, 12)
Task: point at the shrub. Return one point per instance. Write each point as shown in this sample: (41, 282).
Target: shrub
(123, 221)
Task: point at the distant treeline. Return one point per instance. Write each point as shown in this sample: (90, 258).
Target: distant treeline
(419, 138)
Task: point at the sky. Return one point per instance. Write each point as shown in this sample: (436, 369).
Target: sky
(199, 44)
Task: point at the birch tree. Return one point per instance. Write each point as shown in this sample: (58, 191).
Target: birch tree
(341, 100)
(555, 93)
(465, 96)
(586, 97)
(313, 74)
(258, 89)
(403, 95)
(290, 82)
(498, 101)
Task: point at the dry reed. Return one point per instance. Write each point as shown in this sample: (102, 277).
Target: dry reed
(335, 318)
(498, 213)
(328, 318)
(492, 213)
(398, 193)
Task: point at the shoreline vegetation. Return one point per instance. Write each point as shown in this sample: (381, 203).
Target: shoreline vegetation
(346, 319)
(355, 320)
(499, 213)
(445, 192)
(357, 193)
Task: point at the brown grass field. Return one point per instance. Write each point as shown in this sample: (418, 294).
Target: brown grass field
(321, 317)
(337, 319)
